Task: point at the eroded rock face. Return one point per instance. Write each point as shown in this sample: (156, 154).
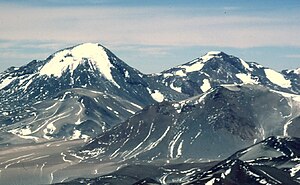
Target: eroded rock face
(209, 126)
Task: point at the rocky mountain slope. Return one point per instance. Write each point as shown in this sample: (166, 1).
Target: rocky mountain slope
(217, 68)
(75, 87)
(228, 117)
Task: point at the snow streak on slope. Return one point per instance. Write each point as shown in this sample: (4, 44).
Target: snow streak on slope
(210, 55)
(277, 78)
(196, 65)
(246, 65)
(246, 78)
(6, 82)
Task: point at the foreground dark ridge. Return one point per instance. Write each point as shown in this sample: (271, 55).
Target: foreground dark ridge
(274, 160)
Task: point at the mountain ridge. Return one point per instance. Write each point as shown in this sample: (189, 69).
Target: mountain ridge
(87, 66)
(68, 118)
(92, 66)
(217, 68)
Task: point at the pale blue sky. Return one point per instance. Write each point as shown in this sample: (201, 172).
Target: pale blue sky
(153, 35)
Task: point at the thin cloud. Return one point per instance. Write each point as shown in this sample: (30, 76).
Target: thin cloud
(20, 55)
(296, 56)
(144, 26)
(154, 51)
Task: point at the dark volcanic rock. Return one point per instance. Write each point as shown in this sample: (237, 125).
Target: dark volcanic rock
(272, 161)
(228, 118)
(217, 68)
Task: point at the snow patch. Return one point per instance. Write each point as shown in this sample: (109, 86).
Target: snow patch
(85, 137)
(246, 78)
(277, 78)
(22, 131)
(6, 82)
(245, 64)
(165, 75)
(76, 134)
(178, 89)
(127, 74)
(136, 105)
(178, 106)
(297, 71)
(206, 85)
(197, 66)
(295, 170)
(180, 73)
(130, 111)
(156, 95)
(263, 181)
(25, 82)
(78, 122)
(227, 172)
(50, 128)
(210, 55)
(210, 182)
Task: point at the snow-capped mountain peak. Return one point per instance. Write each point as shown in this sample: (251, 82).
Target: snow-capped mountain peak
(214, 52)
(70, 58)
(210, 55)
(216, 68)
(197, 64)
